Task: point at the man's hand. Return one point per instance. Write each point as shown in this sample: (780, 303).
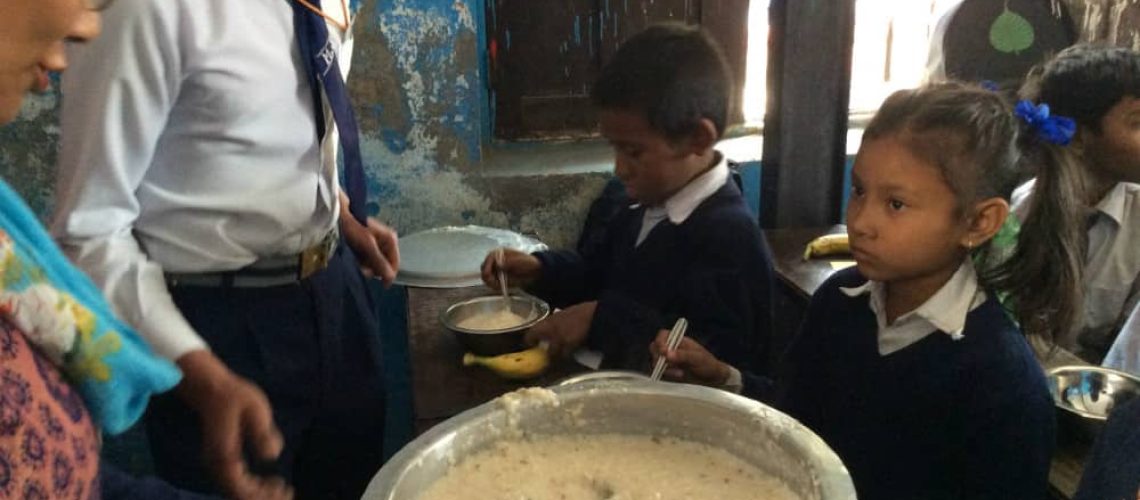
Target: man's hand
(233, 412)
(521, 268)
(690, 362)
(564, 330)
(375, 245)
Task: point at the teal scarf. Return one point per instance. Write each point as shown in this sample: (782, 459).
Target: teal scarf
(65, 316)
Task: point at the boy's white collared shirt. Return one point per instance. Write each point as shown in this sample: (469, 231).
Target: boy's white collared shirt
(1112, 266)
(681, 205)
(945, 311)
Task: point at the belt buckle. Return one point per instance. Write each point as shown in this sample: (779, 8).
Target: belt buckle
(316, 257)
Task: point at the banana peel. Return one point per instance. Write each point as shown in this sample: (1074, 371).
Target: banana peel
(520, 365)
(832, 244)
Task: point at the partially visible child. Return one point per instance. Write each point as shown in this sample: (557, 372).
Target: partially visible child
(907, 365)
(689, 247)
(1124, 355)
(1090, 214)
(1112, 470)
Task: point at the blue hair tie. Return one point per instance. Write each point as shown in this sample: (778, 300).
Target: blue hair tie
(1057, 130)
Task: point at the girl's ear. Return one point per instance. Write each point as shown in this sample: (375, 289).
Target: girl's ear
(987, 218)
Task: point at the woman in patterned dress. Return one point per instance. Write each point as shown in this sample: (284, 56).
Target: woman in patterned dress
(68, 368)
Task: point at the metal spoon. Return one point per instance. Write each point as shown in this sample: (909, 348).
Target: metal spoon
(502, 279)
(671, 343)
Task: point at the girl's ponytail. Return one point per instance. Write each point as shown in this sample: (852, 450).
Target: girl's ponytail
(1043, 275)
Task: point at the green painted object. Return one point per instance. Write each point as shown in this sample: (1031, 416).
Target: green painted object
(1011, 33)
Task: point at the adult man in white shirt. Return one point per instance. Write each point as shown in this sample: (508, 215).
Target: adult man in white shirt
(197, 187)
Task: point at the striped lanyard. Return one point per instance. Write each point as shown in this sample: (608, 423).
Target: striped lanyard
(320, 12)
(319, 58)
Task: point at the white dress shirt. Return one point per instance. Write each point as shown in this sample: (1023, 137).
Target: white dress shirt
(945, 312)
(1112, 263)
(681, 205)
(189, 145)
(1125, 352)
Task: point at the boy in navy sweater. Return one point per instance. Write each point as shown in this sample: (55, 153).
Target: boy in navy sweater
(688, 246)
(908, 367)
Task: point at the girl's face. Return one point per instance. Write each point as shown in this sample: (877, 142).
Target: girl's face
(902, 216)
(32, 36)
(1115, 151)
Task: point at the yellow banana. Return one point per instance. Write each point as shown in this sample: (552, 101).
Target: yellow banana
(515, 366)
(827, 245)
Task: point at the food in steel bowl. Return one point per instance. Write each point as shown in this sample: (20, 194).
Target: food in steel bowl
(616, 439)
(606, 466)
(473, 321)
(503, 319)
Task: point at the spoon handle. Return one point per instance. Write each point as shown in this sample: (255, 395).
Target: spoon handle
(502, 278)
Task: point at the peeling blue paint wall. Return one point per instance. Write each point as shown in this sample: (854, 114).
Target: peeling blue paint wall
(419, 73)
(419, 88)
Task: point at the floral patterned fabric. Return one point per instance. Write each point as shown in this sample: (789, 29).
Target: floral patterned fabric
(67, 319)
(63, 329)
(49, 448)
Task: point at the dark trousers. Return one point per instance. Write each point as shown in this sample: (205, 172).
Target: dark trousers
(314, 348)
(118, 485)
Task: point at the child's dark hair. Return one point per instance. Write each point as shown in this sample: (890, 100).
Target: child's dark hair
(1083, 82)
(1045, 273)
(972, 135)
(967, 132)
(674, 74)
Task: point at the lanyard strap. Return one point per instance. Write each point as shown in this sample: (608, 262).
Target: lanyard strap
(320, 12)
(319, 58)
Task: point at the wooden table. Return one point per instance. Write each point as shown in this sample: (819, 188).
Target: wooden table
(802, 276)
(441, 386)
(1067, 466)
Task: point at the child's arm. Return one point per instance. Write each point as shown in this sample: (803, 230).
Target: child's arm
(521, 269)
(690, 362)
(560, 277)
(723, 290)
(693, 364)
(567, 278)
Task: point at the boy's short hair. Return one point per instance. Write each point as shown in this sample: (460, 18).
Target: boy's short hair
(672, 73)
(1084, 82)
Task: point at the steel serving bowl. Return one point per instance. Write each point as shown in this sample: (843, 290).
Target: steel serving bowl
(758, 434)
(1085, 396)
(610, 375)
(1090, 391)
(494, 342)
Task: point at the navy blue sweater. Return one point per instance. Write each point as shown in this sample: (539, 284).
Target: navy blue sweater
(1113, 470)
(713, 269)
(941, 418)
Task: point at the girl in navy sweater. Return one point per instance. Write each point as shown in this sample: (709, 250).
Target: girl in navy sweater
(908, 366)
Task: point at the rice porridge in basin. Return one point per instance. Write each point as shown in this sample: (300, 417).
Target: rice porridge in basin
(605, 466)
